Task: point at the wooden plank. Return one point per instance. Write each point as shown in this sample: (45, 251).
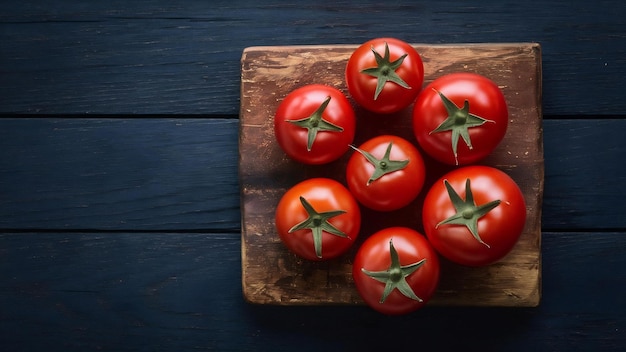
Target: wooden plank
(272, 275)
(585, 174)
(179, 292)
(51, 179)
(111, 174)
(63, 57)
(122, 291)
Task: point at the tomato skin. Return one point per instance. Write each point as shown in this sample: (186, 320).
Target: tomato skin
(374, 255)
(393, 97)
(302, 103)
(393, 190)
(323, 194)
(500, 228)
(485, 100)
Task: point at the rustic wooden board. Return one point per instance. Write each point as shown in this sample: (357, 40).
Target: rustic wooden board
(272, 275)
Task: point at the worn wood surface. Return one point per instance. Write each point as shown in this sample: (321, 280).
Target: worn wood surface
(126, 285)
(160, 57)
(115, 233)
(119, 174)
(153, 174)
(151, 291)
(272, 275)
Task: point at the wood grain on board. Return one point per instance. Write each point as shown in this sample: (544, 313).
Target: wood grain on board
(273, 275)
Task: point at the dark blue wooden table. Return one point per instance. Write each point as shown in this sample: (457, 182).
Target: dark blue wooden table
(119, 197)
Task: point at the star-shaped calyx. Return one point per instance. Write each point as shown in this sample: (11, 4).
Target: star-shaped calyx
(467, 212)
(385, 71)
(382, 166)
(316, 123)
(318, 222)
(459, 121)
(395, 276)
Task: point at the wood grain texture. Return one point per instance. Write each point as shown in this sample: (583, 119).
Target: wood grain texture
(112, 174)
(272, 275)
(156, 291)
(155, 57)
(581, 182)
(133, 174)
(180, 292)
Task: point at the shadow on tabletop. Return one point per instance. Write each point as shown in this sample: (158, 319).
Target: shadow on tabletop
(346, 328)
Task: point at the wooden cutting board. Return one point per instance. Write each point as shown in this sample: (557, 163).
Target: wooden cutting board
(273, 275)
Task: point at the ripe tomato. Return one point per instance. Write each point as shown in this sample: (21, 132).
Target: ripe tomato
(465, 105)
(318, 219)
(315, 124)
(385, 173)
(396, 270)
(384, 75)
(474, 215)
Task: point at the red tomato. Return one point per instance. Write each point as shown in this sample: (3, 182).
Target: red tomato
(384, 75)
(460, 118)
(396, 271)
(385, 173)
(318, 219)
(315, 124)
(474, 215)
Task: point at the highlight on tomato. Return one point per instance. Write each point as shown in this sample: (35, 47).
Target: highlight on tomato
(385, 173)
(315, 124)
(396, 271)
(474, 215)
(460, 118)
(384, 75)
(318, 219)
